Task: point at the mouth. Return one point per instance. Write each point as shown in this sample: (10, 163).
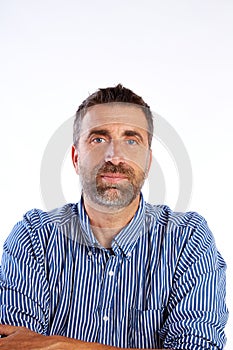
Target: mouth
(113, 177)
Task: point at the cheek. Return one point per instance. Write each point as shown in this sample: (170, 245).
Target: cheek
(91, 157)
(138, 158)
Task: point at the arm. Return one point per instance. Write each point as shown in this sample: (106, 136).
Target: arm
(197, 313)
(19, 338)
(24, 293)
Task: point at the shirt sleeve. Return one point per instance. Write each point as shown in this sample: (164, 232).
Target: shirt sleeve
(197, 312)
(23, 286)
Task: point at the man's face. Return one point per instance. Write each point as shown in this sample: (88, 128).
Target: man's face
(112, 157)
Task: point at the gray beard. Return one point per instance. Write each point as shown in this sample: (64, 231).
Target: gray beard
(115, 196)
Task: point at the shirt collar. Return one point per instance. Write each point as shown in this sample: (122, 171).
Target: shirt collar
(125, 240)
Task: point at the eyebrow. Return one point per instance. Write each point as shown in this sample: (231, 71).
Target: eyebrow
(101, 132)
(133, 133)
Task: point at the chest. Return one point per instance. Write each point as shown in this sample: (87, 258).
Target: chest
(115, 300)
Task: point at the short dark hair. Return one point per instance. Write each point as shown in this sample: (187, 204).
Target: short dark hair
(110, 95)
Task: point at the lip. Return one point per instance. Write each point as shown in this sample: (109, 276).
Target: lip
(113, 177)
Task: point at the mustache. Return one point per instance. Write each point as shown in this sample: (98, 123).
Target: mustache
(120, 168)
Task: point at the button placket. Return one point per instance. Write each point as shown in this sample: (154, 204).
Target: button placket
(108, 290)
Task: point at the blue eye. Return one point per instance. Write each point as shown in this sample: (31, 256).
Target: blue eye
(98, 140)
(131, 142)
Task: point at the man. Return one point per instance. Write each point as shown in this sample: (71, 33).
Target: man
(112, 271)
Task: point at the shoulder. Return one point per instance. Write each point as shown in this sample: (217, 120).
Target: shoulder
(186, 234)
(164, 216)
(178, 228)
(36, 227)
(38, 218)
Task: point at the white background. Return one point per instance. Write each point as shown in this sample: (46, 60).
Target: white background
(178, 55)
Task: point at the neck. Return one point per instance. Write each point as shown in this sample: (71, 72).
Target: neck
(107, 223)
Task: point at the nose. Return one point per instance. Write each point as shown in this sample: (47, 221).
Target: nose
(114, 152)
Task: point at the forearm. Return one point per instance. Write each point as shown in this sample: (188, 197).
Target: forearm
(65, 343)
(19, 338)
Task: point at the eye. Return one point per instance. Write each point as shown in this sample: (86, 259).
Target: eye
(131, 142)
(98, 140)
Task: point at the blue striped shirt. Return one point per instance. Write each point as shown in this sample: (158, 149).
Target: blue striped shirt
(161, 285)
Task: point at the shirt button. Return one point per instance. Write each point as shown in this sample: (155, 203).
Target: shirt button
(105, 318)
(89, 253)
(129, 254)
(111, 273)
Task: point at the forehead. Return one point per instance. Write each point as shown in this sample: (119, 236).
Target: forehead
(114, 115)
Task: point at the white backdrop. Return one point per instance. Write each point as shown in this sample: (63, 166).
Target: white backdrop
(177, 54)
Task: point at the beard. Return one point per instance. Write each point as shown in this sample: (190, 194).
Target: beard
(111, 195)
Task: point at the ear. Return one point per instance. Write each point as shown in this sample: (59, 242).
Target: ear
(74, 152)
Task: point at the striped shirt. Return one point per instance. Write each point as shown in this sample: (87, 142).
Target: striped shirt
(162, 285)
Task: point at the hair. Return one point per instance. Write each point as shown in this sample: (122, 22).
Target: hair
(110, 95)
